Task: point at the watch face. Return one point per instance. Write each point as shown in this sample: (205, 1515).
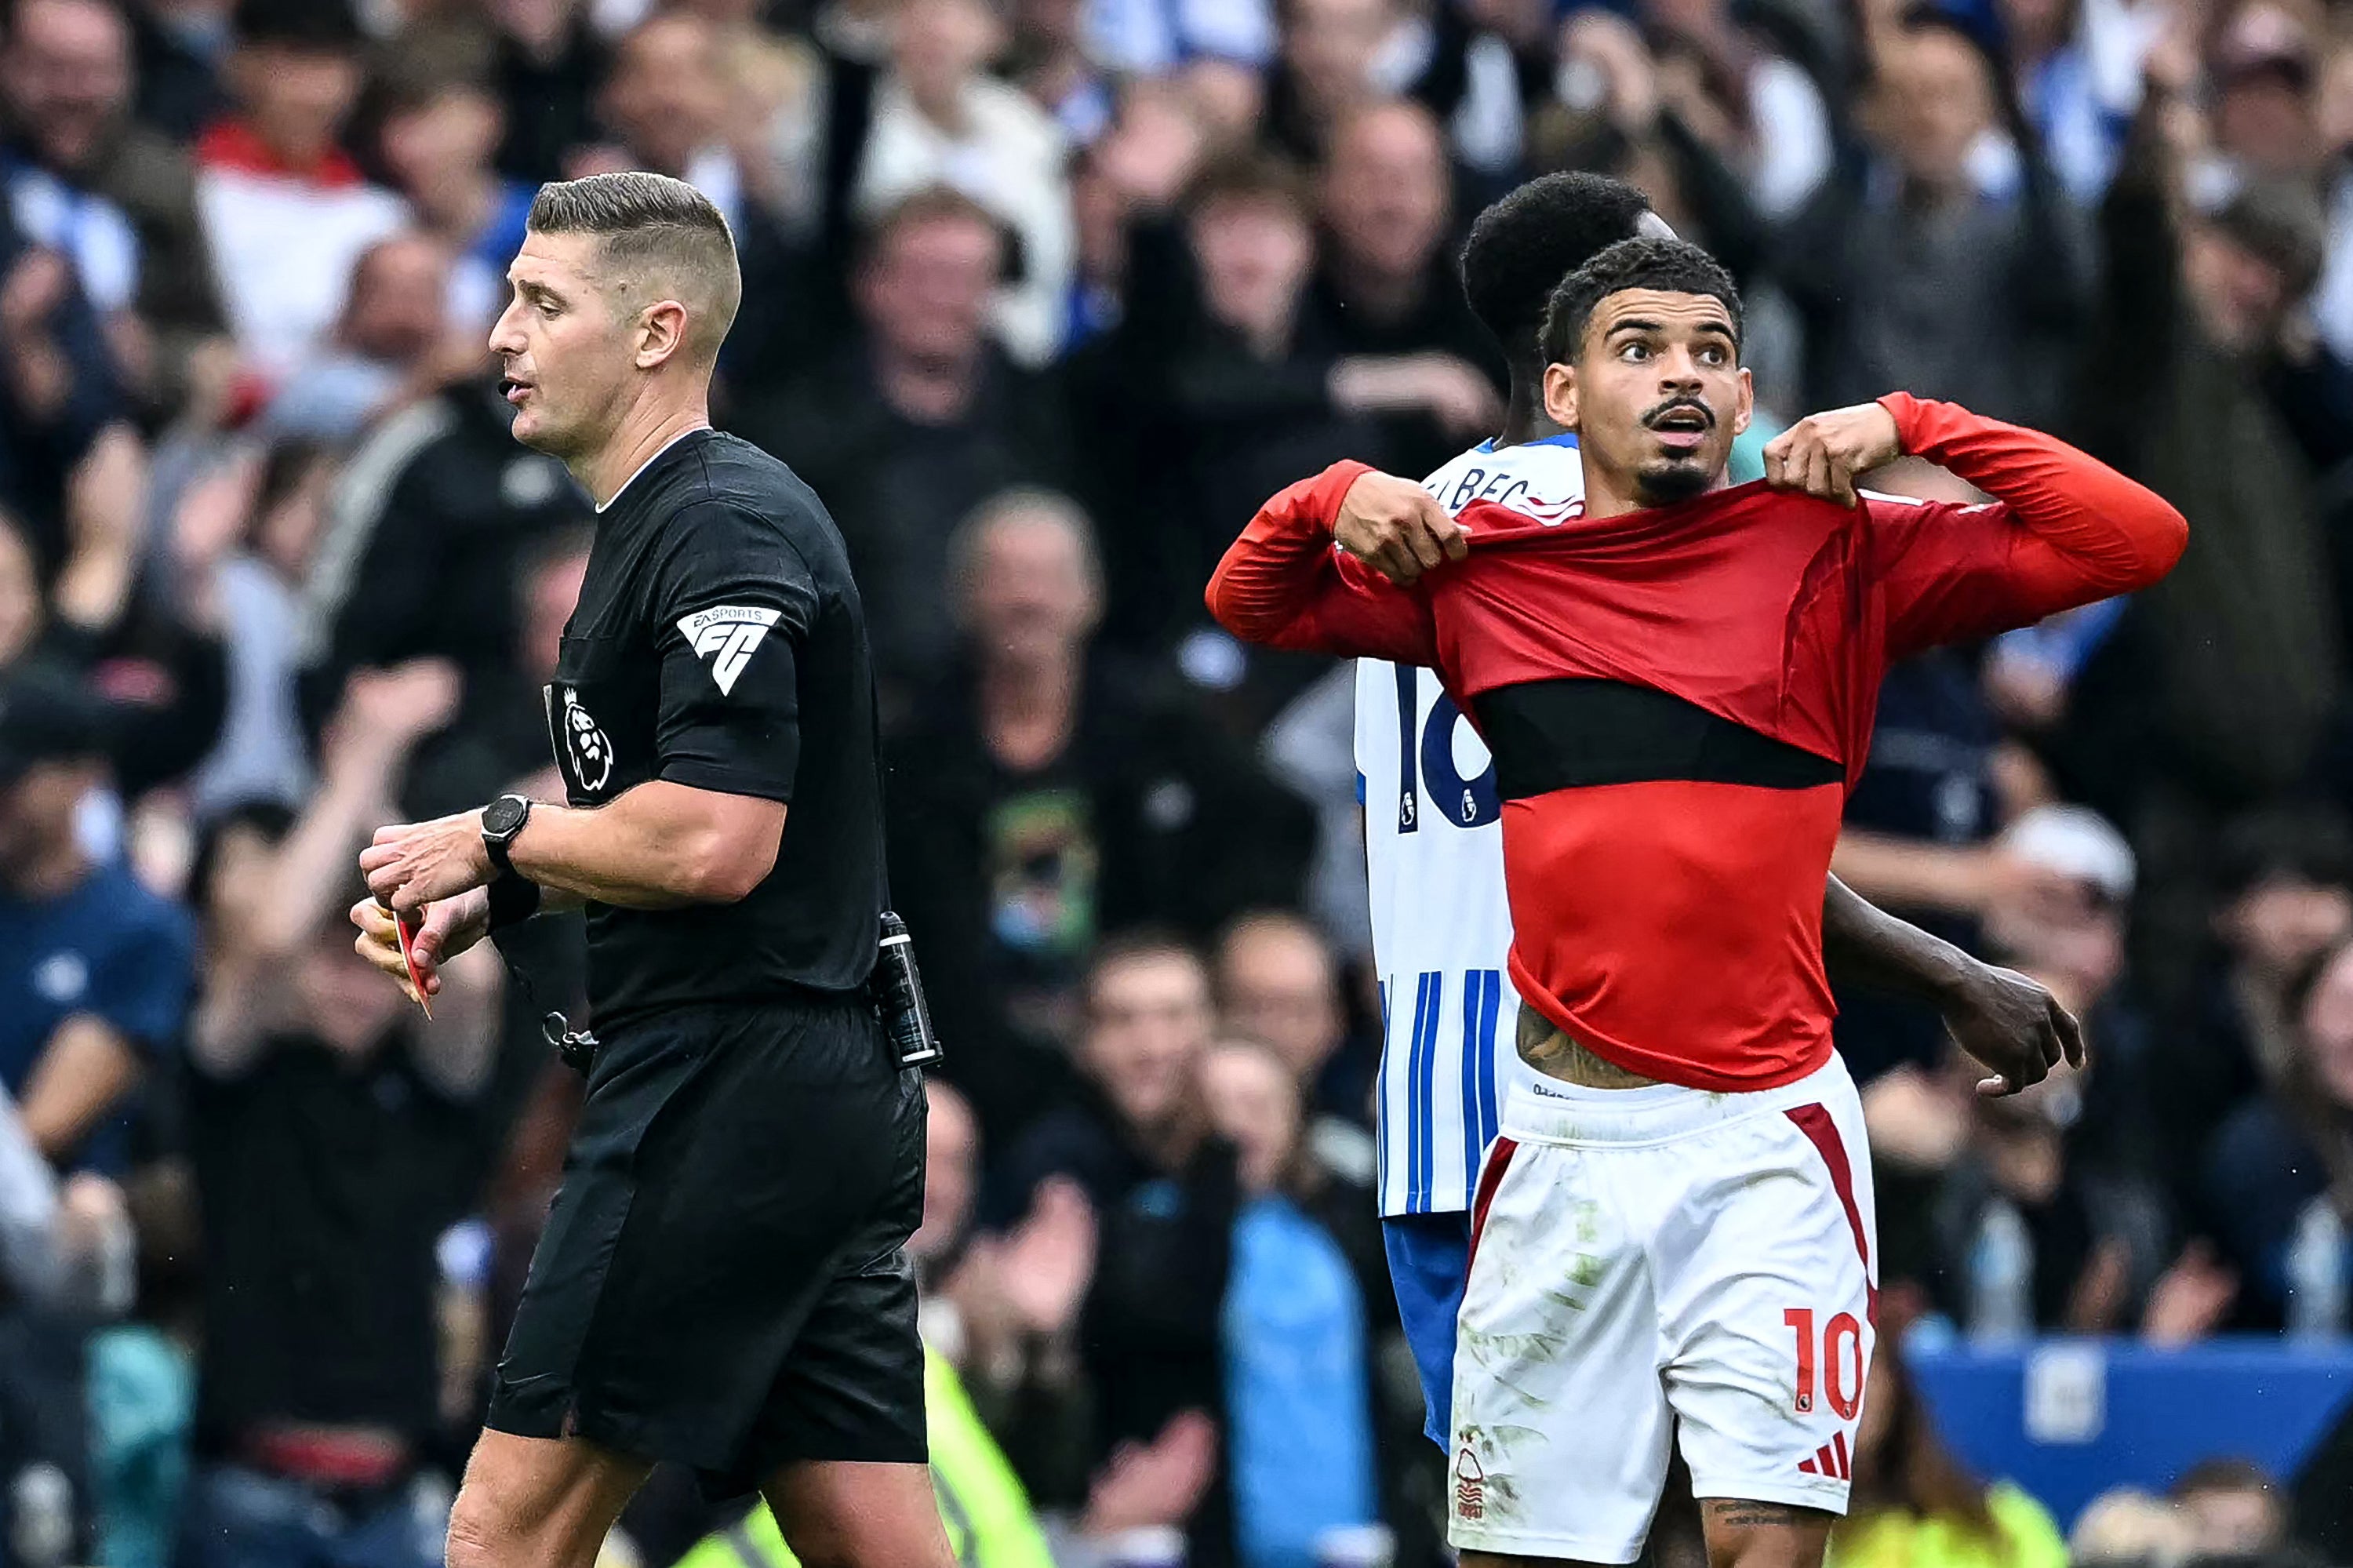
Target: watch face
(503, 816)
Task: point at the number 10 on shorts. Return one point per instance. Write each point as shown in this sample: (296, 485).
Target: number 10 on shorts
(1840, 1349)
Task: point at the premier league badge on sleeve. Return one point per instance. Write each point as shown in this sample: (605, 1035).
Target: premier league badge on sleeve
(588, 752)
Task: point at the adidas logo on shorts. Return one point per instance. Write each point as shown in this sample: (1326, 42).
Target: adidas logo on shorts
(1830, 1459)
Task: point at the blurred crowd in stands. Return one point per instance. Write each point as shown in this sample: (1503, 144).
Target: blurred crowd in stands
(1043, 297)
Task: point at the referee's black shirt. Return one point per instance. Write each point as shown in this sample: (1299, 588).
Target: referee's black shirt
(719, 643)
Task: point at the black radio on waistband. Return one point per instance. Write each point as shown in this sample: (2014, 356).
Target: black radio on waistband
(898, 990)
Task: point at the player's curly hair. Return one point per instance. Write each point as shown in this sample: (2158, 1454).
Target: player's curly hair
(1669, 266)
(1523, 245)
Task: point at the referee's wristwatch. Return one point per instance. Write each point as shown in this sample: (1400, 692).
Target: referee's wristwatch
(502, 818)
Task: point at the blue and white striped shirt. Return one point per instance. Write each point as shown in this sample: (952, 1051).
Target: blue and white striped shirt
(1434, 859)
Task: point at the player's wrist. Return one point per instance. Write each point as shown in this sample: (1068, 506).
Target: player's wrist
(1951, 976)
(1903, 414)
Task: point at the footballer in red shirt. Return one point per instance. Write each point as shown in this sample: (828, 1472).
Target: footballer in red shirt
(1676, 681)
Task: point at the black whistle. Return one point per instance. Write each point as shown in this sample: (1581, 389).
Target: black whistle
(898, 989)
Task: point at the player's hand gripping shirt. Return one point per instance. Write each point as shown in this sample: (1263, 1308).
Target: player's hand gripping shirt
(1678, 700)
(1434, 859)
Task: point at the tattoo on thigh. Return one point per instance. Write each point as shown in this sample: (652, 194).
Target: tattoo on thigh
(1740, 1513)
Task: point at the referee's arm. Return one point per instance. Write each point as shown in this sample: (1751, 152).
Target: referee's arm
(660, 845)
(707, 828)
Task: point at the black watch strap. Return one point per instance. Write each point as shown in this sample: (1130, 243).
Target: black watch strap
(495, 840)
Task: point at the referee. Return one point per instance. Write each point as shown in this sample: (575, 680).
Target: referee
(722, 1281)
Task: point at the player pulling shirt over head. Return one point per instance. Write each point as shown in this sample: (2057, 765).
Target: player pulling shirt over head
(1441, 924)
(1677, 683)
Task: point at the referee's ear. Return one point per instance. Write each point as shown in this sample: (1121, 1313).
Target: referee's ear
(661, 333)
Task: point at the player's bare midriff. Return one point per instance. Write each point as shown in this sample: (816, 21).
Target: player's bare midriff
(1544, 1046)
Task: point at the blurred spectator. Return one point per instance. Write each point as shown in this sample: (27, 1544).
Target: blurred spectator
(243, 539)
(2274, 1164)
(2069, 934)
(2264, 74)
(1131, 1113)
(2233, 1509)
(1241, 386)
(65, 1244)
(2077, 67)
(108, 191)
(1916, 1506)
(498, 741)
(181, 47)
(1299, 1442)
(1335, 56)
(1911, 267)
(2125, 1525)
(664, 103)
(1003, 1308)
(437, 137)
(2045, 1208)
(2198, 395)
(918, 422)
(666, 106)
(1674, 124)
(423, 535)
(334, 1140)
(1159, 37)
(71, 466)
(158, 664)
(939, 119)
(1279, 984)
(1042, 795)
(1050, 60)
(392, 344)
(286, 211)
(1384, 287)
(548, 62)
(94, 970)
(2286, 898)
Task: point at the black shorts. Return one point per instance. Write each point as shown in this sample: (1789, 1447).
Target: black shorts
(722, 1281)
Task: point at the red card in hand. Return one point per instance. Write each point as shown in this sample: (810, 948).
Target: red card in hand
(408, 929)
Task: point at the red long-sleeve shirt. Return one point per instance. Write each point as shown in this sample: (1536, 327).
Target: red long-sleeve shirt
(1679, 700)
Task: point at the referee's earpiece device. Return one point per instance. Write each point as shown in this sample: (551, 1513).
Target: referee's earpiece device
(898, 990)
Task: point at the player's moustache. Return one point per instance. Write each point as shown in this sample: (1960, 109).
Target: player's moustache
(1651, 416)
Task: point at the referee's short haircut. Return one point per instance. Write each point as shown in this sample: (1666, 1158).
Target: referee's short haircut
(660, 239)
(1668, 266)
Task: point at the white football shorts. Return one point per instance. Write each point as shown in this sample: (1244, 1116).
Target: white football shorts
(1651, 1260)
